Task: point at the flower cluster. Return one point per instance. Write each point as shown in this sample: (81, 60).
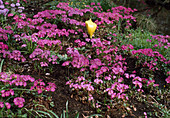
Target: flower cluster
(3, 46)
(5, 32)
(49, 43)
(79, 60)
(7, 93)
(15, 54)
(3, 10)
(163, 41)
(43, 56)
(39, 86)
(18, 101)
(12, 6)
(24, 81)
(104, 65)
(152, 64)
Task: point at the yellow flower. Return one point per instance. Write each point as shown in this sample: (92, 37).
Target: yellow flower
(91, 27)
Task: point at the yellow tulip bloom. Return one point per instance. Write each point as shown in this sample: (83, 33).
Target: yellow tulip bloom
(91, 27)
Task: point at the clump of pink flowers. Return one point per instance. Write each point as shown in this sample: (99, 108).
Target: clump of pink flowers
(26, 82)
(18, 101)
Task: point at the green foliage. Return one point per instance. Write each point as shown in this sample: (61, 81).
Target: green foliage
(144, 22)
(2, 61)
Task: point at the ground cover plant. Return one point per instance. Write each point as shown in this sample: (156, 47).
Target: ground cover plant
(118, 72)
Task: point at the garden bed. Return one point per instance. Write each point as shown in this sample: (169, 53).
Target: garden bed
(51, 64)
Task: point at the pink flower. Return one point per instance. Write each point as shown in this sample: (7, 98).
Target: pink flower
(132, 75)
(137, 83)
(168, 79)
(97, 105)
(1, 104)
(17, 4)
(140, 90)
(7, 93)
(98, 3)
(98, 81)
(24, 45)
(92, 3)
(120, 79)
(82, 69)
(113, 95)
(90, 97)
(3, 93)
(107, 78)
(2, 6)
(155, 85)
(145, 114)
(18, 101)
(8, 105)
(51, 87)
(43, 64)
(150, 82)
(66, 63)
(6, 3)
(12, 5)
(126, 75)
(108, 106)
(12, 91)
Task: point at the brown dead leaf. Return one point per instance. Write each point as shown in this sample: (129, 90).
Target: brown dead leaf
(134, 108)
(123, 115)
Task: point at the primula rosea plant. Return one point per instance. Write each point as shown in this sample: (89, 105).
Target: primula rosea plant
(99, 72)
(14, 89)
(102, 77)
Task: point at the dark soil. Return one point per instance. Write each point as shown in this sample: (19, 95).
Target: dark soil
(63, 94)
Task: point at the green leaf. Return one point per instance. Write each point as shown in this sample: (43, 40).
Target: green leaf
(95, 115)
(52, 104)
(53, 113)
(1, 65)
(45, 113)
(77, 115)
(64, 115)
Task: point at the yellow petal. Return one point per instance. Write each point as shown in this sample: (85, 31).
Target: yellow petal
(91, 27)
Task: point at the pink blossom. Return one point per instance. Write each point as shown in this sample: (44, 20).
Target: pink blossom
(120, 79)
(137, 83)
(168, 79)
(126, 75)
(97, 105)
(66, 63)
(107, 78)
(98, 81)
(92, 3)
(113, 95)
(19, 101)
(132, 75)
(1, 104)
(140, 90)
(90, 97)
(145, 114)
(51, 87)
(150, 82)
(8, 105)
(3, 93)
